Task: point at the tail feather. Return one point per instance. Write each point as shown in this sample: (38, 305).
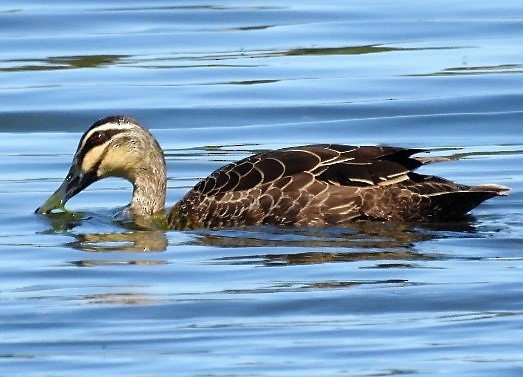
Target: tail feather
(456, 204)
(491, 188)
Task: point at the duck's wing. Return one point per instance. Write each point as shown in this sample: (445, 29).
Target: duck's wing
(334, 164)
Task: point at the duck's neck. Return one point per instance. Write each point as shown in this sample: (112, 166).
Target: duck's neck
(149, 183)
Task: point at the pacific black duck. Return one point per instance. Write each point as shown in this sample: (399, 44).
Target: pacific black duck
(313, 185)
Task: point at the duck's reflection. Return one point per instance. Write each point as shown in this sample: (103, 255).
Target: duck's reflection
(131, 241)
(279, 245)
(387, 245)
(124, 235)
(357, 242)
(142, 242)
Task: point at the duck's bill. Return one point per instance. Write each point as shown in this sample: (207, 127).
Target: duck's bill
(57, 200)
(72, 185)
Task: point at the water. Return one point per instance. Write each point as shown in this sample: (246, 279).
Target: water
(215, 82)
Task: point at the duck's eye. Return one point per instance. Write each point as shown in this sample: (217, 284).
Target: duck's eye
(95, 139)
(100, 137)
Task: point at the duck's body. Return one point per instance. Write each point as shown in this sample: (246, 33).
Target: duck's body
(312, 185)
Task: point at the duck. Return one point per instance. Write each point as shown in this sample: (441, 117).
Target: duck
(312, 185)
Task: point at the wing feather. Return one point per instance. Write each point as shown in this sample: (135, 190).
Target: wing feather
(331, 163)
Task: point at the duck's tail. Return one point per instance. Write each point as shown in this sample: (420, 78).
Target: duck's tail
(491, 188)
(458, 203)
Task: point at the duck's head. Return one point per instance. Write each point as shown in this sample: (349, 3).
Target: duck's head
(116, 146)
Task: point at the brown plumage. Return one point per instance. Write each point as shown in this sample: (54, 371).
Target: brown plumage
(314, 185)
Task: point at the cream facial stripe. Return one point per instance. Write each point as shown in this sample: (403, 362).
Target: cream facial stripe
(91, 158)
(91, 145)
(105, 128)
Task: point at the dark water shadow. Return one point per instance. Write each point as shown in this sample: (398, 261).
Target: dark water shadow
(53, 63)
(355, 50)
(476, 70)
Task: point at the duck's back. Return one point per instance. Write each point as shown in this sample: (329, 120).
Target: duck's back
(318, 185)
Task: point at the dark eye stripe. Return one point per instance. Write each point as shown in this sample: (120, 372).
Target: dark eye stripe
(95, 139)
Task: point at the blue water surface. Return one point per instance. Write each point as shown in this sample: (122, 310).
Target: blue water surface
(216, 81)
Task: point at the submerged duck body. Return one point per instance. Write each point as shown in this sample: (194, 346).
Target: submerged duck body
(313, 185)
